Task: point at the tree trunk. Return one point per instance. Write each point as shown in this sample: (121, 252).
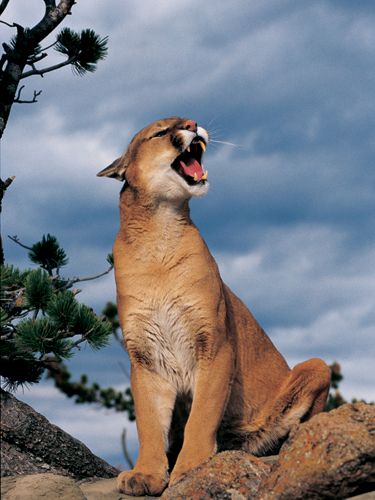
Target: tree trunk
(30, 444)
(8, 84)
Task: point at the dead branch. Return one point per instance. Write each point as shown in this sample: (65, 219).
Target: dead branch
(16, 240)
(125, 451)
(71, 281)
(124, 370)
(76, 280)
(19, 101)
(4, 22)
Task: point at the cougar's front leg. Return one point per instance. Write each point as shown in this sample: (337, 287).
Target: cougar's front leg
(154, 399)
(213, 383)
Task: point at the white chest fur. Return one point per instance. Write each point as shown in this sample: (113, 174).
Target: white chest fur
(165, 336)
(174, 351)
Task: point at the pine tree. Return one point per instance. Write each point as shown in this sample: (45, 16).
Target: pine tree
(82, 52)
(82, 392)
(335, 400)
(40, 315)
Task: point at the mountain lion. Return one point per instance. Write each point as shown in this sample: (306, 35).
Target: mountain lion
(204, 375)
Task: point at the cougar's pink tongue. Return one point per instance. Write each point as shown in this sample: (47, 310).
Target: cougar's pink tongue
(190, 168)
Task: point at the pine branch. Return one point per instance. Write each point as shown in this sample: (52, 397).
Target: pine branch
(41, 72)
(77, 342)
(24, 50)
(69, 281)
(26, 294)
(44, 363)
(94, 394)
(34, 59)
(13, 318)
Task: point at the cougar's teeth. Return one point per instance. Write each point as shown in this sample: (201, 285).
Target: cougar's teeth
(195, 177)
(188, 149)
(204, 176)
(203, 146)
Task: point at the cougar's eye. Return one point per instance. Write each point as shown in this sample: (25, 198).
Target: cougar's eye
(160, 133)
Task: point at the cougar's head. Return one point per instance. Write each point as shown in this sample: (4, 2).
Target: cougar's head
(164, 160)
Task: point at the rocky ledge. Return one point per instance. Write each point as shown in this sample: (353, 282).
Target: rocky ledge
(332, 456)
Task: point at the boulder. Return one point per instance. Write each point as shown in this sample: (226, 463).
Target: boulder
(30, 444)
(39, 486)
(332, 456)
(51, 487)
(231, 475)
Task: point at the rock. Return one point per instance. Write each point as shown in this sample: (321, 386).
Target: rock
(30, 444)
(14, 461)
(51, 487)
(231, 475)
(364, 496)
(37, 487)
(332, 456)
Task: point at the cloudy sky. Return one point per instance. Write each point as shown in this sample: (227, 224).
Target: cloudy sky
(289, 215)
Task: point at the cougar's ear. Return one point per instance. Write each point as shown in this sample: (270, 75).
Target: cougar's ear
(116, 170)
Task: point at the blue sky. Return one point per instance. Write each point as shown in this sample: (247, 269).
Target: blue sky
(289, 215)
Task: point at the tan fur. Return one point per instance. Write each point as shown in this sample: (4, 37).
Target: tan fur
(205, 376)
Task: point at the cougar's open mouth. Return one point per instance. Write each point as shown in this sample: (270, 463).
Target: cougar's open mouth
(188, 163)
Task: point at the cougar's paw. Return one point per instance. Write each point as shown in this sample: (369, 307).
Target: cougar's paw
(140, 484)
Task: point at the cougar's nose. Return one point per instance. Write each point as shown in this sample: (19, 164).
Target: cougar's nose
(190, 125)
